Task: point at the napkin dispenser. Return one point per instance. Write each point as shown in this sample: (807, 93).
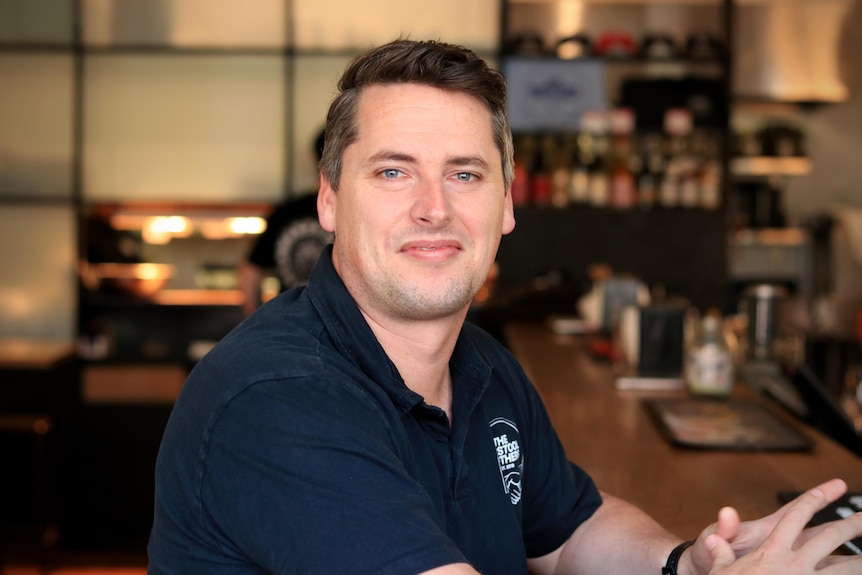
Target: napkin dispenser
(653, 339)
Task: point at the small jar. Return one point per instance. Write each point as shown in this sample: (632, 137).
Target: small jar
(709, 363)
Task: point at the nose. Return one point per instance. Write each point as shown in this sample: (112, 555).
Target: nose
(432, 205)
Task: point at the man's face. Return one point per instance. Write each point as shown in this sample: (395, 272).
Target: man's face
(421, 205)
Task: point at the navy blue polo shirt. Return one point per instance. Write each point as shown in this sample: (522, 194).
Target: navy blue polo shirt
(295, 447)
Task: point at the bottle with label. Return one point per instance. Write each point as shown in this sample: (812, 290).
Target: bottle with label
(708, 362)
(622, 177)
(561, 175)
(582, 158)
(598, 175)
(679, 186)
(710, 178)
(651, 169)
(595, 123)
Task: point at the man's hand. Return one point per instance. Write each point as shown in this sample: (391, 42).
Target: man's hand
(779, 543)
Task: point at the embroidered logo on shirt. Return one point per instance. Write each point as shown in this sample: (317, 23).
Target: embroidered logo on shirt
(507, 443)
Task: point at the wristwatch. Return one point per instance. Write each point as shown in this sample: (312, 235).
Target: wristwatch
(673, 558)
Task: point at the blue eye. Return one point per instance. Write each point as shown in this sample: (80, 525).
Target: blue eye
(465, 176)
(391, 173)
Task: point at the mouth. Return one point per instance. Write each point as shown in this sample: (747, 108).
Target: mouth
(432, 249)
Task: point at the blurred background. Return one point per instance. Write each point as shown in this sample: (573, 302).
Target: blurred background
(702, 146)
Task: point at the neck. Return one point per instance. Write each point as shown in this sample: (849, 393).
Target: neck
(421, 351)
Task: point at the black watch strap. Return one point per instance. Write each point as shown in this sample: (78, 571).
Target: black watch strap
(673, 558)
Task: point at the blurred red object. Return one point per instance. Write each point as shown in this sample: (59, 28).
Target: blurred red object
(616, 43)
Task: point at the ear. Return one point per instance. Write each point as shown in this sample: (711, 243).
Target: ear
(508, 213)
(326, 205)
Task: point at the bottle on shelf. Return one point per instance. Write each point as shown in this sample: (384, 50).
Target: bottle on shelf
(582, 158)
(540, 177)
(650, 170)
(621, 175)
(594, 122)
(710, 175)
(561, 176)
(679, 184)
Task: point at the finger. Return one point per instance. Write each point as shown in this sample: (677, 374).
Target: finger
(855, 561)
(844, 565)
(797, 514)
(728, 523)
(823, 494)
(832, 490)
(812, 532)
(721, 552)
(830, 536)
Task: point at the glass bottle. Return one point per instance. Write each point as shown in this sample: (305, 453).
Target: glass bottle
(709, 363)
(582, 158)
(561, 176)
(595, 123)
(710, 181)
(650, 172)
(621, 176)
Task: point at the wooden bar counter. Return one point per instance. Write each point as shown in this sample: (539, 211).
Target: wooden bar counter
(611, 435)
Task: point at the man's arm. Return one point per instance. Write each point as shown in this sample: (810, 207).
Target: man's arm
(618, 538)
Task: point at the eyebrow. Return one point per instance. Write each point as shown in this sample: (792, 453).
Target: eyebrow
(387, 155)
(468, 161)
(455, 161)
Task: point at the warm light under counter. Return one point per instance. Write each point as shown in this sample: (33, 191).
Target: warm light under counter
(198, 297)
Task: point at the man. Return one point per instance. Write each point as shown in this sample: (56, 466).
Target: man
(290, 245)
(358, 425)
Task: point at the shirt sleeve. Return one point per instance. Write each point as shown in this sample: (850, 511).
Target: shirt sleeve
(557, 494)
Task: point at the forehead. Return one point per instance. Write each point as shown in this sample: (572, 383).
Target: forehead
(418, 107)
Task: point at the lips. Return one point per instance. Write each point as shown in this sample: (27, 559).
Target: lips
(431, 250)
(431, 246)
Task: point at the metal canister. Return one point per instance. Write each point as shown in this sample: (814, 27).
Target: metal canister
(761, 304)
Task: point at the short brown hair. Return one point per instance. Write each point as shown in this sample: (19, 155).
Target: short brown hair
(433, 63)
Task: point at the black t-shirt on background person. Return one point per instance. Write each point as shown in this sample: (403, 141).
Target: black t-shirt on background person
(292, 241)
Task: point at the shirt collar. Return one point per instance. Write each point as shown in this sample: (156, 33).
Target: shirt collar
(355, 340)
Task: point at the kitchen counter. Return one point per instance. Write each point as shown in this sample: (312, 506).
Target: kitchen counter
(610, 434)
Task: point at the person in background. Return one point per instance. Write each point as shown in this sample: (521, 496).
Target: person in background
(360, 425)
(289, 246)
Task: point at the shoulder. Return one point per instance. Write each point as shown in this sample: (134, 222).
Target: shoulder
(283, 345)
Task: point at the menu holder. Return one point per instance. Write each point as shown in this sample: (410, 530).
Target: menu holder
(726, 424)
